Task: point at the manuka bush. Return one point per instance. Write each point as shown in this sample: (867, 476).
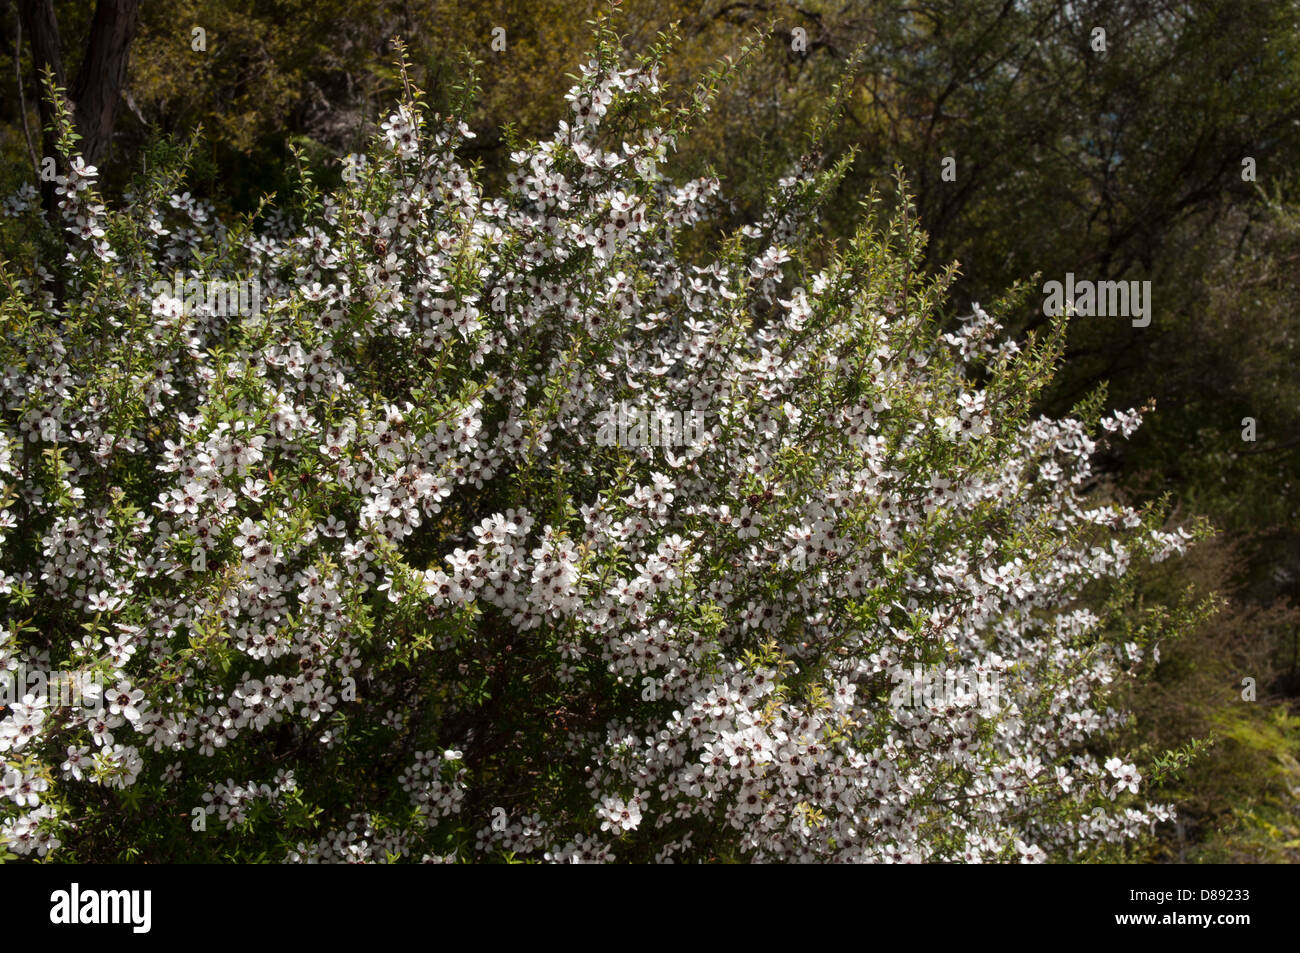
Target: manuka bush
(360, 583)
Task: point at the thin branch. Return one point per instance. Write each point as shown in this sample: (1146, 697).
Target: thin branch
(1273, 447)
(22, 95)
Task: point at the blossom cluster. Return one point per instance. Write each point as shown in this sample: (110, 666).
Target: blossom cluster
(364, 548)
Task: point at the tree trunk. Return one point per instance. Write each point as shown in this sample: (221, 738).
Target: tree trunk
(102, 75)
(42, 31)
(100, 78)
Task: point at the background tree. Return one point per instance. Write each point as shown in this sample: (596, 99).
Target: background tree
(97, 91)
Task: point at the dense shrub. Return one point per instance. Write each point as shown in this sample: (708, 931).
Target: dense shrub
(362, 583)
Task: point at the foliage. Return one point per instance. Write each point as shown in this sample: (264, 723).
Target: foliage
(363, 582)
